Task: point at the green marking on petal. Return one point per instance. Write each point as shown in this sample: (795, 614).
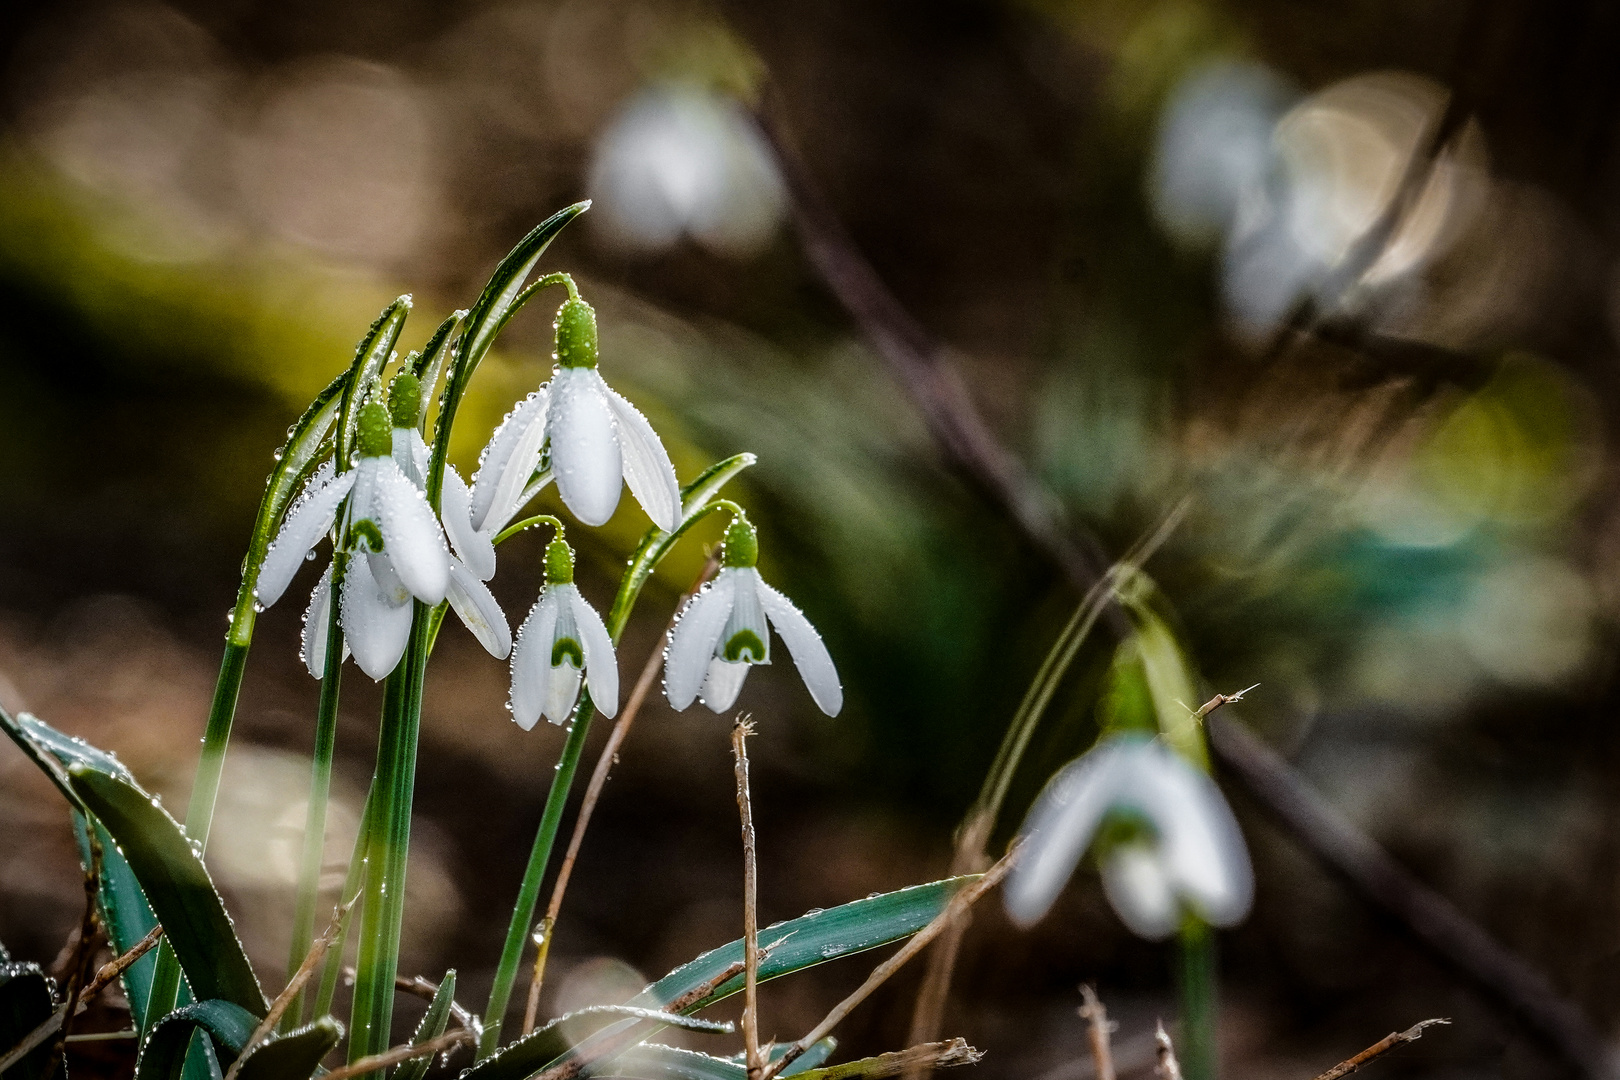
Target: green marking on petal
(576, 335)
(745, 645)
(567, 649)
(365, 530)
(376, 436)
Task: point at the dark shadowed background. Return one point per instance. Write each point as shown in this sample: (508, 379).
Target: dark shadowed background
(1140, 227)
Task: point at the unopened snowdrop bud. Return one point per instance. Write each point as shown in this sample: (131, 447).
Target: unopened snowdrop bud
(562, 643)
(576, 334)
(1192, 858)
(405, 400)
(374, 436)
(725, 629)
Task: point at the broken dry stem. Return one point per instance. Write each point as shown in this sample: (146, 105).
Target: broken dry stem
(1379, 1049)
(107, 974)
(593, 793)
(85, 949)
(959, 904)
(427, 990)
(750, 1017)
(937, 1055)
(1100, 1031)
(294, 985)
(1168, 1067)
(400, 1054)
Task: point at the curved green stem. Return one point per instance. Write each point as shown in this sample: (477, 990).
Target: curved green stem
(529, 523)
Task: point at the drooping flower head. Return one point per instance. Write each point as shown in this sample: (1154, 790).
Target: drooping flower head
(597, 442)
(725, 629)
(396, 552)
(1173, 848)
(562, 643)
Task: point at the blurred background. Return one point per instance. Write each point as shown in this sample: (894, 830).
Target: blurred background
(1341, 275)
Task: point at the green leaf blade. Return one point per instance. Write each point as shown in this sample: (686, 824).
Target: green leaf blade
(431, 1026)
(25, 1003)
(295, 1055)
(176, 885)
(163, 1056)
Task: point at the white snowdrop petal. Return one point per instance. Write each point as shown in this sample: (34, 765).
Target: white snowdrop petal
(601, 661)
(389, 585)
(317, 622)
(411, 455)
(475, 606)
(809, 653)
(722, 683)
(1058, 830)
(561, 692)
(309, 519)
(584, 445)
(509, 460)
(1139, 891)
(747, 636)
(691, 644)
(475, 549)
(647, 468)
(376, 630)
(1200, 845)
(531, 660)
(412, 539)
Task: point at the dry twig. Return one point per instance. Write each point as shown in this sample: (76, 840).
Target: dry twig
(745, 807)
(399, 1054)
(593, 793)
(107, 974)
(279, 1006)
(84, 951)
(1100, 1031)
(1379, 1049)
(1168, 1067)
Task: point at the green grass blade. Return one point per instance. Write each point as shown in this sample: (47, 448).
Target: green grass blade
(810, 940)
(293, 1056)
(227, 1026)
(25, 1003)
(125, 915)
(432, 1025)
(177, 886)
(202, 1060)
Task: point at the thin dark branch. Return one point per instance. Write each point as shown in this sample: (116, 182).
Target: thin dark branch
(1429, 916)
(1379, 1049)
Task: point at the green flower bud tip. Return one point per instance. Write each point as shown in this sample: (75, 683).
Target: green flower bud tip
(405, 399)
(376, 435)
(559, 563)
(576, 335)
(742, 543)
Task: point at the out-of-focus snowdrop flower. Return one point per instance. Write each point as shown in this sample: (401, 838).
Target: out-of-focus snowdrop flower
(560, 644)
(1214, 159)
(723, 631)
(399, 552)
(1186, 856)
(596, 440)
(678, 161)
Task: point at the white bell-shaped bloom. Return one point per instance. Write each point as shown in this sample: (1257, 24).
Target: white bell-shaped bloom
(1192, 859)
(725, 629)
(399, 551)
(562, 643)
(596, 440)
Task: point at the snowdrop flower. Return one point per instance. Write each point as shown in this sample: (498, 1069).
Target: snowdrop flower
(561, 642)
(683, 161)
(474, 560)
(598, 442)
(398, 553)
(722, 631)
(1191, 858)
